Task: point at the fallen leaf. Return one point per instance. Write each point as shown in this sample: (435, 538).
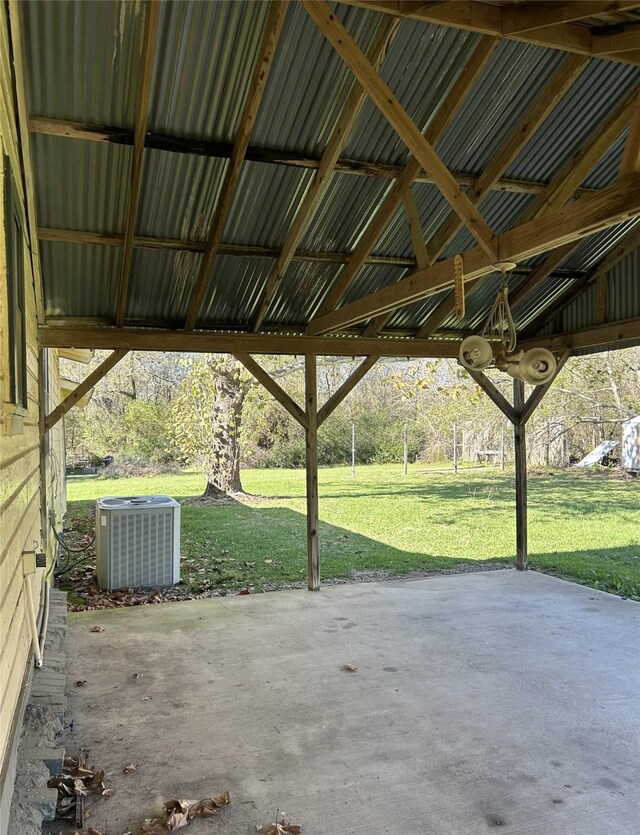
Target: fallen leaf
(279, 828)
(145, 698)
(244, 591)
(138, 675)
(81, 682)
(349, 668)
(181, 812)
(129, 768)
(97, 629)
(269, 562)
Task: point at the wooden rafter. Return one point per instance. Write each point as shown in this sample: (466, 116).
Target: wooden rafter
(583, 217)
(533, 119)
(494, 20)
(152, 15)
(349, 384)
(273, 30)
(556, 193)
(82, 388)
(322, 177)
(401, 122)
(423, 259)
(536, 15)
(546, 101)
(274, 389)
(380, 220)
(270, 156)
(631, 156)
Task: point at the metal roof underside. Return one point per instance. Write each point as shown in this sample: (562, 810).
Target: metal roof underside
(84, 62)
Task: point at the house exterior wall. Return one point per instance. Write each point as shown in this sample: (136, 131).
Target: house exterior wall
(31, 467)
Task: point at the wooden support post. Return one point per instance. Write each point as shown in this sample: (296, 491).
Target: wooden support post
(311, 401)
(455, 448)
(353, 450)
(82, 388)
(406, 449)
(520, 451)
(502, 450)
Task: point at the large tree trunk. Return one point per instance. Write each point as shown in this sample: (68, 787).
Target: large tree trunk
(223, 463)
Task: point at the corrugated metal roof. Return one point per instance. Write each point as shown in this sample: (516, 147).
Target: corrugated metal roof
(81, 185)
(595, 94)
(81, 279)
(84, 59)
(83, 63)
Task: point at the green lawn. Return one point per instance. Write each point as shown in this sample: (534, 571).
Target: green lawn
(582, 526)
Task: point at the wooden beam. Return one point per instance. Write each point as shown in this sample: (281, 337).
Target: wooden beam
(401, 122)
(274, 389)
(626, 40)
(232, 342)
(152, 14)
(491, 20)
(269, 156)
(563, 186)
(311, 456)
(583, 217)
(322, 177)
(520, 455)
(494, 394)
(545, 102)
(423, 258)
(17, 60)
(534, 399)
(537, 15)
(624, 332)
(82, 388)
(180, 245)
(631, 157)
(380, 220)
(349, 384)
(273, 30)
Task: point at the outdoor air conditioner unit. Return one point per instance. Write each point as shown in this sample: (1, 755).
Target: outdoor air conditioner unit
(137, 541)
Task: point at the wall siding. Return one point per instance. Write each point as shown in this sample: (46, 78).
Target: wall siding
(27, 465)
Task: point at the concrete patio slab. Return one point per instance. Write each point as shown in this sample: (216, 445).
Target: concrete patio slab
(480, 701)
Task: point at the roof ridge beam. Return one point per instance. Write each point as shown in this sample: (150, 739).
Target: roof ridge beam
(401, 122)
(261, 71)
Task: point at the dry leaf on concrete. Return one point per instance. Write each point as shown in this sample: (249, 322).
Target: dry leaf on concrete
(349, 668)
(182, 812)
(129, 768)
(81, 682)
(97, 629)
(279, 828)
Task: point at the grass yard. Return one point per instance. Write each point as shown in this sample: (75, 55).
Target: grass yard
(582, 526)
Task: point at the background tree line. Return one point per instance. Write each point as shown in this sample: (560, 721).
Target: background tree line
(207, 411)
